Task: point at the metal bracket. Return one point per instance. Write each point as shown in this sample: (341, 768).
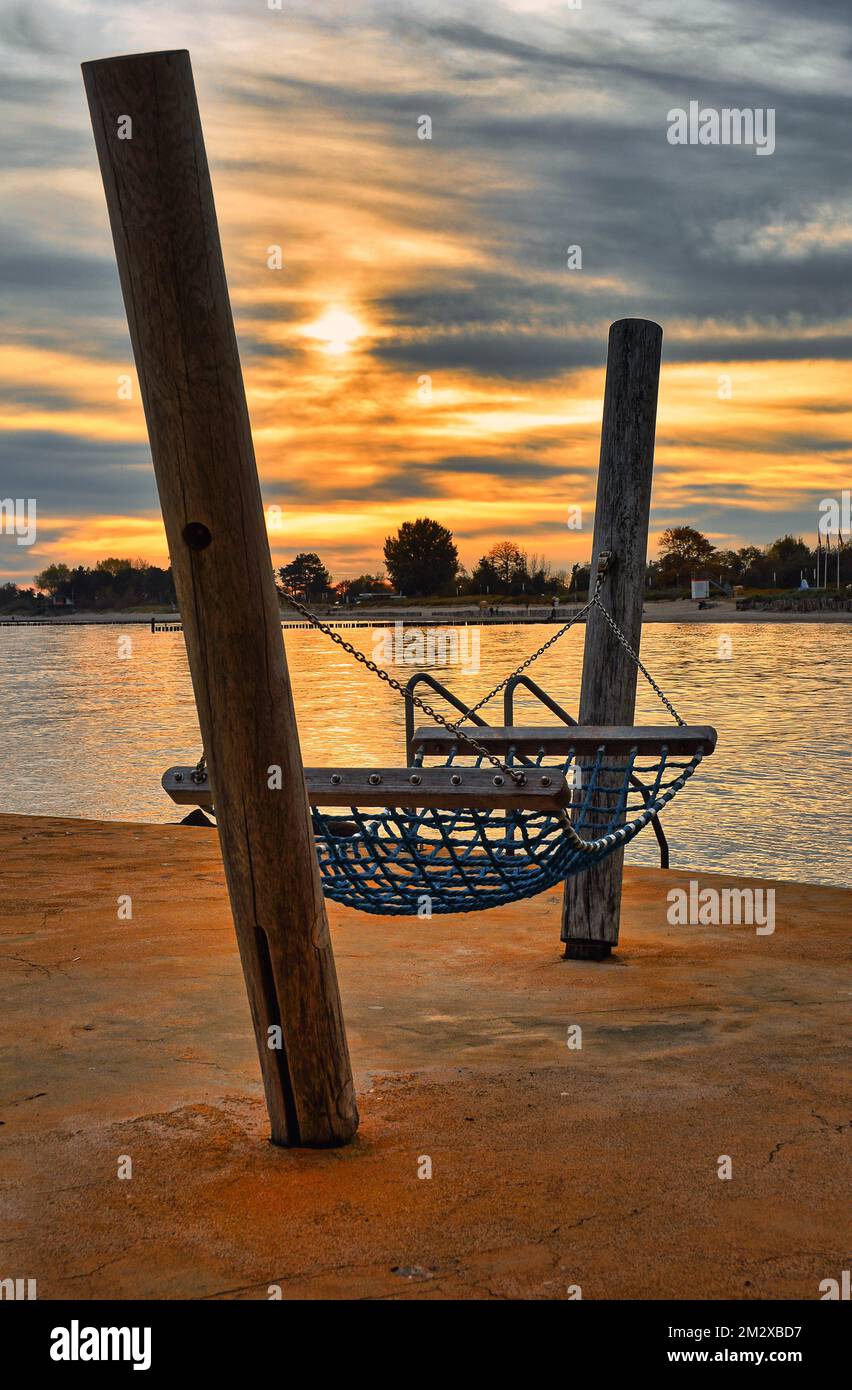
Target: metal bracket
(604, 561)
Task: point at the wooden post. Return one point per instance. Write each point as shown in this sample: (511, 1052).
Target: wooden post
(592, 901)
(151, 151)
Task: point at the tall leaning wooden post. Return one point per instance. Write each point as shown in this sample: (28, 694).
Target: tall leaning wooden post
(151, 152)
(592, 901)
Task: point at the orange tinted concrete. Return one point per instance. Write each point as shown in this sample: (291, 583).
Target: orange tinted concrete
(550, 1167)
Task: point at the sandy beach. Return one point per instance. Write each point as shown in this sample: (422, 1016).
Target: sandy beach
(685, 611)
(551, 1168)
(674, 611)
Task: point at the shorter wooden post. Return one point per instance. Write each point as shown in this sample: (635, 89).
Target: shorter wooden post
(151, 151)
(592, 901)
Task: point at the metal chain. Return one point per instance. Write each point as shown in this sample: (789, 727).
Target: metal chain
(581, 613)
(594, 602)
(455, 728)
(627, 647)
(517, 777)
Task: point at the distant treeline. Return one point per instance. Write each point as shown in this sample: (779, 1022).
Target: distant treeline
(421, 561)
(686, 554)
(111, 586)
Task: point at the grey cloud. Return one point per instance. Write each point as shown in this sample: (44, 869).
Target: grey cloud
(515, 99)
(73, 476)
(523, 357)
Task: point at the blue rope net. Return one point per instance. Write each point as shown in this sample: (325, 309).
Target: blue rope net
(421, 862)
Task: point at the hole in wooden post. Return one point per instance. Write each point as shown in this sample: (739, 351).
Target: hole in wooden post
(197, 535)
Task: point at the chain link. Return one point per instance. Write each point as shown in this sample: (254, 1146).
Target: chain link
(627, 647)
(594, 602)
(581, 613)
(517, 777)
(455, 728)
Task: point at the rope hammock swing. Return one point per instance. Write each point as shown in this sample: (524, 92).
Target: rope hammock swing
(479, 830)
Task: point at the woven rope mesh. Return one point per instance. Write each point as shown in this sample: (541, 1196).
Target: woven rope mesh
(427, 861)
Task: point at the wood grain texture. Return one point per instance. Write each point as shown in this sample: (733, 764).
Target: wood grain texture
(169, 257)
(579, 738)
(444, 788)
(592, 901)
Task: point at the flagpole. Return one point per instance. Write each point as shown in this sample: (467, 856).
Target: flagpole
(818, 549)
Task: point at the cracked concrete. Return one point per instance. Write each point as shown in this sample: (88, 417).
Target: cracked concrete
(551, 1168)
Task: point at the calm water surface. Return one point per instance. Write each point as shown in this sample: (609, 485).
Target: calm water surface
(89, 734)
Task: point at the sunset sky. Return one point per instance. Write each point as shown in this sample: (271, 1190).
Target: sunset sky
(406, 259)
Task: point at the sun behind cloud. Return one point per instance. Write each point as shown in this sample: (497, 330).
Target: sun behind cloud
(336, 331)
(421, 347)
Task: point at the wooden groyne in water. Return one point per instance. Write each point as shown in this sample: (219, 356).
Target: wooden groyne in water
(382, 620)
(134, 620)
(406, 620)
(797, 603)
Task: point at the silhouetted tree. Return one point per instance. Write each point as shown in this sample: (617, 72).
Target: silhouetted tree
(507, 559)
(113, 567)
(362, 584)
(683, 549)
(111, 584)
(421, 558)
(306, 576)
(51, 578)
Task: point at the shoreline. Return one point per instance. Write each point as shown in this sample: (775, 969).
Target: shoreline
(699, 1031)
(665, 611)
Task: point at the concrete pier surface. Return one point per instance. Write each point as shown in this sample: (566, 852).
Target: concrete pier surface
(551, 1166)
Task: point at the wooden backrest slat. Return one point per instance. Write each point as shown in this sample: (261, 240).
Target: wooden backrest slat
(443, 787)
(557, 739)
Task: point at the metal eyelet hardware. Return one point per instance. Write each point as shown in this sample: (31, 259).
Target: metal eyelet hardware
(335, 779)
(546, 781)
(415, 779)
(374, 779)
(456, 779)
(178, 776)
(498, 780)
